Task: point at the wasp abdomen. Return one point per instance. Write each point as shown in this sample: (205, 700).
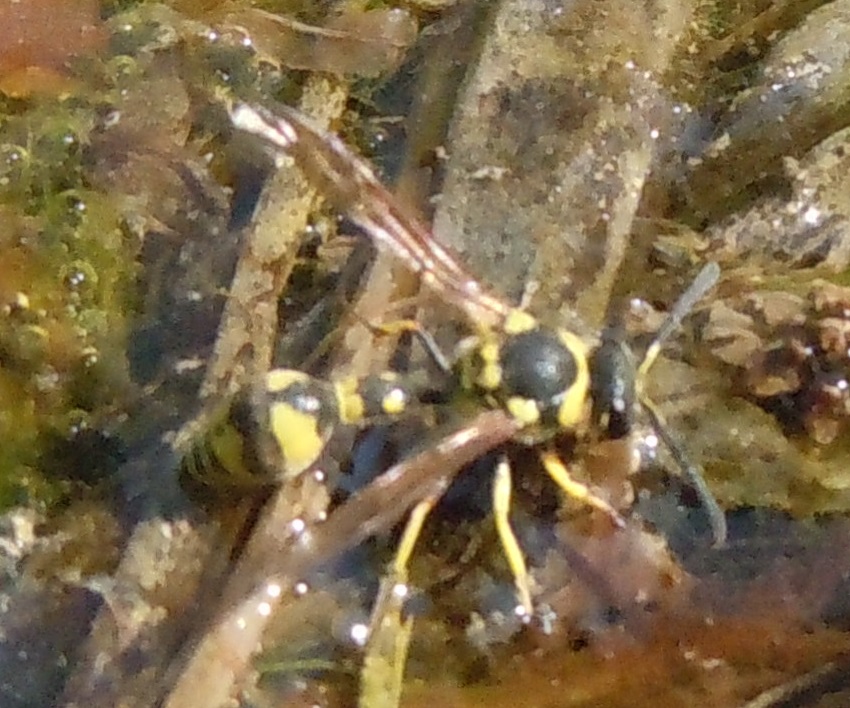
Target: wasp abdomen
(279, 428)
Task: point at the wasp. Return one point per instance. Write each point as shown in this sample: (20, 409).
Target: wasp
(550, 382)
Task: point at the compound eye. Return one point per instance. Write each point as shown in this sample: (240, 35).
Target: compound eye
(538, 366)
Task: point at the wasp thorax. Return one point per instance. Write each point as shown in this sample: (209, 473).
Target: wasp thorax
(536, 365)
(542, 376)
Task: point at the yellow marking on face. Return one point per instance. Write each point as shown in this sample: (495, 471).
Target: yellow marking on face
(518, 322)
(573, 409)
(297, 435)
(524, 410)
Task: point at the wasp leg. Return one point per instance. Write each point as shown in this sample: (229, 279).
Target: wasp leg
(510, 545)
(429, 344)
(396, 577)
(577, 490)
(412, 530)
(382, 675)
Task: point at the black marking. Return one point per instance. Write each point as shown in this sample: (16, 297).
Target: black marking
(383, 395)
(537, 366)
(613, 374)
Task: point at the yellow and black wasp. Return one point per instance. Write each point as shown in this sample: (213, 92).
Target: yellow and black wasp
(548, 382)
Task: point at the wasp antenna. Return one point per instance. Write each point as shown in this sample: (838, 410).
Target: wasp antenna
(706, 279)
(692, 473)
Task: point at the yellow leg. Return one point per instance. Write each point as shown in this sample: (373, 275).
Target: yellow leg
(388, 600)
(395, 327)
(561, 475)
(513, 552)
(412, 530)
(388, 603)
(430, 345)
(382, 674)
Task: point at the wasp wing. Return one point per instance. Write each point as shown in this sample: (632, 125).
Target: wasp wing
(351, 186)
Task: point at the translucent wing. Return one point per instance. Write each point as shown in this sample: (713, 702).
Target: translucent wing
(351, 186)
